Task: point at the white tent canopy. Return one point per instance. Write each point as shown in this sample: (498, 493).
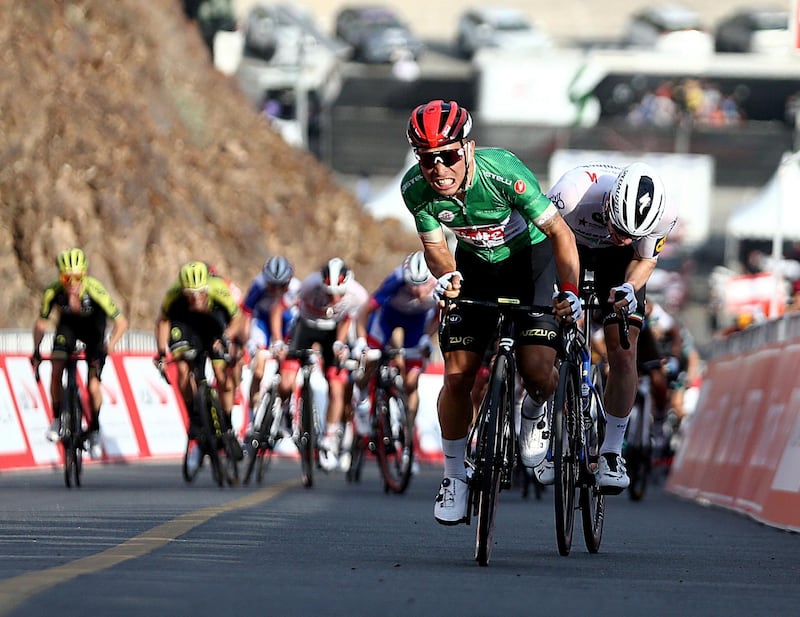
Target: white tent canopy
(774, 208)
(773, 214)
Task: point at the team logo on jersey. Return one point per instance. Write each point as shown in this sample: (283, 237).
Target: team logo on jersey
(446, 216)
(659, 246)
(519, 186)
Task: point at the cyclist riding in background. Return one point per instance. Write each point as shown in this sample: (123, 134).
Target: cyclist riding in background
(404, 300)
(269, 305)
(199, 313)
(512, 242)
(328, 302)
(239, 357)
(621, 219)
(84, 308)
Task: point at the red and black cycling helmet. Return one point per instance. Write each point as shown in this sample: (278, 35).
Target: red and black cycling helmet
(438, 123)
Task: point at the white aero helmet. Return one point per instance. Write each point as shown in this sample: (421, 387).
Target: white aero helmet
(335, 276)
(637, 201)
(278, 271)
(415, 270)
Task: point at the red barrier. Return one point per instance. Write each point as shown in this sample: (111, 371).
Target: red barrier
(742, 450)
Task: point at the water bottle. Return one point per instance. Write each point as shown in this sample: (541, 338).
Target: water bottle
(362, 416)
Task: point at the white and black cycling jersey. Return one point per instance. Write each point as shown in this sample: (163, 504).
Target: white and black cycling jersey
(580, 196)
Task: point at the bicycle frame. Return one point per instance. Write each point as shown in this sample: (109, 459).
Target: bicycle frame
(579, 421)
(214, 426)
(491, 444)
(71, 414)
(73, 437)
(305, 423)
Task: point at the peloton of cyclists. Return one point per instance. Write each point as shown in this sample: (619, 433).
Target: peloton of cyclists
(404, 300)
(328, 302)
(198, 312)
(84, 308)
(511, 241)
(621, 219)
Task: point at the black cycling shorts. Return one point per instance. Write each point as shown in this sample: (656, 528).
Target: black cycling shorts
(91, 332)
(609, 265)
(528, 275)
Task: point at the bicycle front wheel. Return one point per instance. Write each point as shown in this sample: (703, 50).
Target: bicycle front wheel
(566, 408)
(307, 441)
(488, 460)
(266, 435)
(395, 442)
(71, 419)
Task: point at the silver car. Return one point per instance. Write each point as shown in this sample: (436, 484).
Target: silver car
(377, 34)
(497, 27)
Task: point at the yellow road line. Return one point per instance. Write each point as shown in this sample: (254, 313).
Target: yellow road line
(15, 591)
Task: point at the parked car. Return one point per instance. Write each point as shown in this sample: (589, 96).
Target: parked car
(283, 33)
(376, 34)
(672, 28)
(754, 29)
(499, 27)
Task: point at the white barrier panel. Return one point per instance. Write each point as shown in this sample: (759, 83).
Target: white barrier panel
(142, 416)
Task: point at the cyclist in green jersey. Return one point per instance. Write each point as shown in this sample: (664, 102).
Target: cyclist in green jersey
(511, 242)
(199, 312)
(84, 309)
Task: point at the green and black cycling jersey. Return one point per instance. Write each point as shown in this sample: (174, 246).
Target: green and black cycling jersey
(221, 302)
(95, 303)
(498, 215)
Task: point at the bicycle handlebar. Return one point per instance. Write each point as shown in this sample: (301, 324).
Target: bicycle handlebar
(624, 328)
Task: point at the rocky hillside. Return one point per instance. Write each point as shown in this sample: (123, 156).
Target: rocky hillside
(117, 135)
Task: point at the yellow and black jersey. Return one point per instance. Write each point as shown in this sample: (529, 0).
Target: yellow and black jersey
(220, 297)
(95, 300)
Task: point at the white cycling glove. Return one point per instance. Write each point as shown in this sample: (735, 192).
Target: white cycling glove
(341, 350)
(276, 347)
(359, 347)
(444, 281)
(630, 295)
(574, 303)
(425, 345)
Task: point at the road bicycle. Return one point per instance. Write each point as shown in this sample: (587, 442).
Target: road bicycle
(268, 429)
(491, 444)
(388, 430)
(305, 421)
(578, 426)
(72, 434)
(215, 439)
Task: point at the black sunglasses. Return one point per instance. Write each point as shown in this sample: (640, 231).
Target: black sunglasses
(448, 158)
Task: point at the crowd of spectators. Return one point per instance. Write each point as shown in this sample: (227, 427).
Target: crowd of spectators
(700, 100)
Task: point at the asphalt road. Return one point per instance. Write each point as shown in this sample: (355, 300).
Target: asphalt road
(134, 540)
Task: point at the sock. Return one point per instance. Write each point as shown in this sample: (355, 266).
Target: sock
(453, 450)
(531, 410)
(615, 434)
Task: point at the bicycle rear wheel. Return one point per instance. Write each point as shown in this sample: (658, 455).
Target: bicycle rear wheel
(307, 441)
(592, 502)
(566, 408)
(488, 460)
(395, 442)
(637, 452)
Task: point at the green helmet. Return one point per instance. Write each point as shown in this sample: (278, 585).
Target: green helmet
(194, 275)
(72, 261)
